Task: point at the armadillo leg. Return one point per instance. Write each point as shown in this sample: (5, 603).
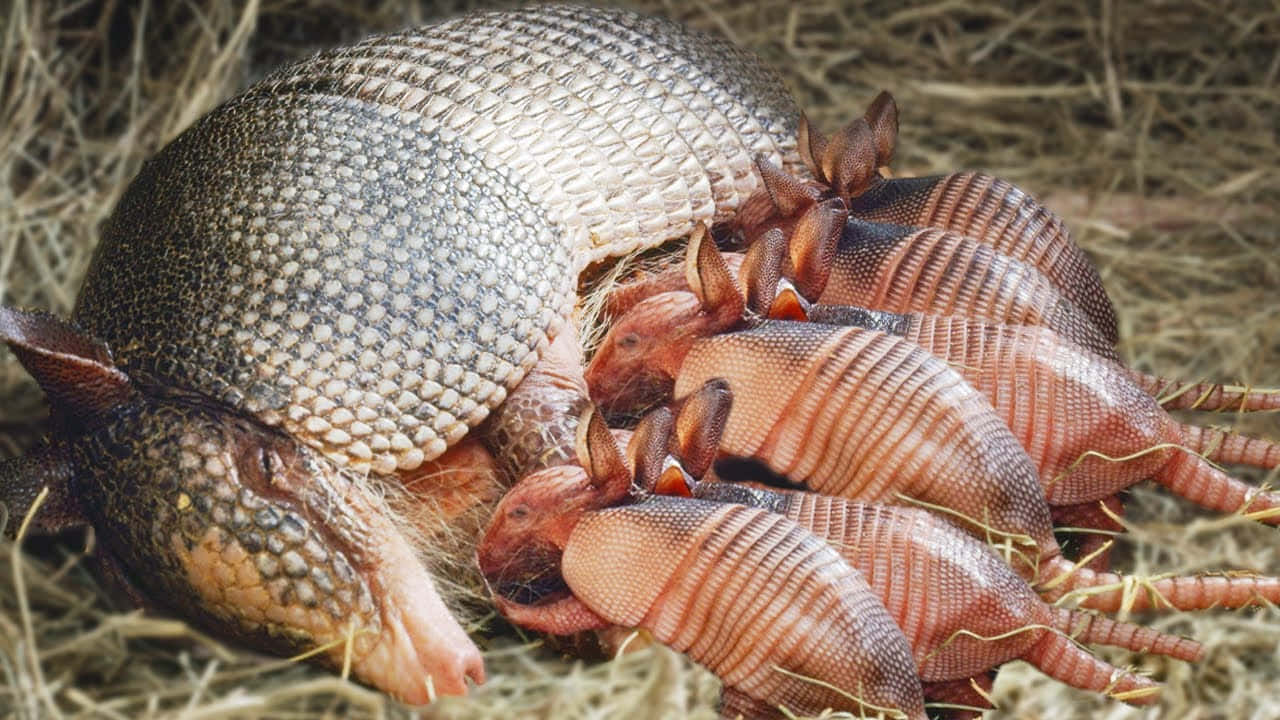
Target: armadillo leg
(1060, 658)
(1230, 447)
(1189, 476)
(955, 695)
(1098, 630)
(534, 428)
(1178, 395)
(1096, 515)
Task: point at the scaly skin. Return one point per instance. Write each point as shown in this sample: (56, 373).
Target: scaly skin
(980, 206)
(789, 602)
(962, 608)
(1067, 405)
(987, 209)
(355, 261)
(740, 590)
(888, 267)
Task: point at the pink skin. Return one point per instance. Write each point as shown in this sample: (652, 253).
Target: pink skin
(977, 205)
(548, 512)
(638, 360)
(530, 528)
(644, 351)
(423, 651)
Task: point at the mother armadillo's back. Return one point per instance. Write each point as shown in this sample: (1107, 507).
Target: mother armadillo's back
(368, 247)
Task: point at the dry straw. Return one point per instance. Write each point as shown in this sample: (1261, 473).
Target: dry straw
(1150, 126)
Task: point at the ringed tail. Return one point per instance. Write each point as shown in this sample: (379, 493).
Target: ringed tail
(1223, 446)
(1192, 477)
(1219, 397)
(1057, 656)
(1111, 592)
(1091, 629)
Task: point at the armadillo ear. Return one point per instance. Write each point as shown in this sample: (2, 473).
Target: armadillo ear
(648, 447)
(709, 278)
(813, 245)
(599, 456)
(882, 116)
(74, 370)
(789, 195)
(789, 304)
(700, 425)
(812, 147)
(762, 269)
(850, 159)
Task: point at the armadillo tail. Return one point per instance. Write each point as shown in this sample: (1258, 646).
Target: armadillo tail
(1060, 658)
(1093, 629)
(1109, 592)
(1229, 447)
(1193, 478)
(1178, 395)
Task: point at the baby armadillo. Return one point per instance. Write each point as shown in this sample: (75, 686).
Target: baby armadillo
(333, 277)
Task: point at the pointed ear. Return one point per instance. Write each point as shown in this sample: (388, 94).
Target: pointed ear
(850, 159)
(812, 146)
(74, 370)
(648, 446)
(762, 269)
(882, 116)
(673, 480)
(788, 304)
(709, 278)
(23, 479)
(599, 456)
(701, 423)
(789, 194)
(813, 245)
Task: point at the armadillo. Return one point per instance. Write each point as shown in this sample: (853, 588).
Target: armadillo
(769, 607)
(334, 277)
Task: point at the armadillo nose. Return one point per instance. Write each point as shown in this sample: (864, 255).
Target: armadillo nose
(446, 671)
(433, 645)
(423, 652)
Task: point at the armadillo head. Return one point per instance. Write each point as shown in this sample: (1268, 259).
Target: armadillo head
(519, 554)
(233, 524)
(638, 360)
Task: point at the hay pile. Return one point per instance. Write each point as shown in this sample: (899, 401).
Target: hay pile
(1152, 129)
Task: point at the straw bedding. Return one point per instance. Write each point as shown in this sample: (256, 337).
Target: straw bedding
(1150, 126)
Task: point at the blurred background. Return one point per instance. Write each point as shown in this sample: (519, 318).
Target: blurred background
(1152, 127)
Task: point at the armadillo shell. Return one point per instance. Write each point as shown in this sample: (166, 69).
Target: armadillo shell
(368, 247)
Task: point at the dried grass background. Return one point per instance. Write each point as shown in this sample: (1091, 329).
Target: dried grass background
(1152, 126)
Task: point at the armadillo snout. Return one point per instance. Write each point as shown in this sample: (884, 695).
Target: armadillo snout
(519, 554)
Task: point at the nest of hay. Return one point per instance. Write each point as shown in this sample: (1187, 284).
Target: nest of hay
(1149, 126)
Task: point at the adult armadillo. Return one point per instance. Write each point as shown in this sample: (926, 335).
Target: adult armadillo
(335, 276)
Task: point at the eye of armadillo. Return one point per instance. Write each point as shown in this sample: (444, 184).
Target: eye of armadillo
(199, 509)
